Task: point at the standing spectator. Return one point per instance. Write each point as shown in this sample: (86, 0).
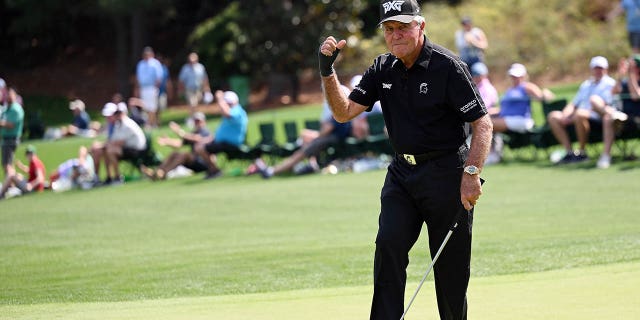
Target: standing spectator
(471, 42)
(427, 97)
(36, 175)
(149, 78)
(632, 10)
(194, 81)
(4, 97)
(126, 141)
(190, 160)
(11, 124)
(230, 134)
(593, 94)
(166, 87)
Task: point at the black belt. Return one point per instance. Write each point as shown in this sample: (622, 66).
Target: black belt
(415, 159)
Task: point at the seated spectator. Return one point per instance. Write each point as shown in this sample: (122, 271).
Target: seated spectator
(36, 175)
(580, 111)
(136, 112)
(359, 125)
(190, 159)
(515, 106)
(74, 173)
(331, 132)
(230, 134)
(613, 120)
(81, 124)
(489, 94)
(125, 140)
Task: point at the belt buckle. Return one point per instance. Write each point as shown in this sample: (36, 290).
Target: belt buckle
(410, 159)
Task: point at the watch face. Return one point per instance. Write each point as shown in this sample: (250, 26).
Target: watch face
(471, 169)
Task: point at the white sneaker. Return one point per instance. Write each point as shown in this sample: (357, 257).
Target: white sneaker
(604, 162)
(619, 116)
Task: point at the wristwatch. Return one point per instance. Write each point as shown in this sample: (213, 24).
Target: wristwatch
(471, 170)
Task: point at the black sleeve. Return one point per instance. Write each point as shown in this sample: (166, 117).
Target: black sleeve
(463, 94)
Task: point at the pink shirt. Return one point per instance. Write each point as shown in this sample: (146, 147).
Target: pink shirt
(488, 93)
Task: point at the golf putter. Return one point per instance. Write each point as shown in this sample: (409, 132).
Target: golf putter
(433, 262)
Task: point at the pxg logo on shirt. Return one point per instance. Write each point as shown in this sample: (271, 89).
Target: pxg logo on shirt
(392, 5)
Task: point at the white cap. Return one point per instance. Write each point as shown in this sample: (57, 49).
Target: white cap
(599, 61)
(109, 109)
(355, 81)
(231, 98)
(76, 104)
(122, 107)
(207, 97)
(2, 84)
(517, 70)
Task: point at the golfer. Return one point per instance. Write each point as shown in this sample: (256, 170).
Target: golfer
(427, 97)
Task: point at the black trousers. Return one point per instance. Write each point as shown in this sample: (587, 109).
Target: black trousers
(412, 195)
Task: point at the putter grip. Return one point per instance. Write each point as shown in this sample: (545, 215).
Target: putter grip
(454, 223)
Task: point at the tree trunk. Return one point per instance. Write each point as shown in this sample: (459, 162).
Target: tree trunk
(122, 62)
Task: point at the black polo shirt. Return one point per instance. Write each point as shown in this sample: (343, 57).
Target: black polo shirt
(425, 107)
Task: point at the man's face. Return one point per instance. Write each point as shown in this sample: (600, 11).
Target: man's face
(598, 72)
(402, 38)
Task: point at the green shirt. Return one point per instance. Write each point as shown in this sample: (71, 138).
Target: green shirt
(15, 115)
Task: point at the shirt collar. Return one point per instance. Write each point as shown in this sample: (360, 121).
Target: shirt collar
(423, 58)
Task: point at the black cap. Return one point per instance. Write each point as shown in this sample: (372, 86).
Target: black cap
(398, 10)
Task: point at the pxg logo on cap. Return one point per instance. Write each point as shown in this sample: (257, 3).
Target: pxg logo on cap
(398, 10)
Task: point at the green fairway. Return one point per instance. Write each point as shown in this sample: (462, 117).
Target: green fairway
(548, 241)
(583, 293)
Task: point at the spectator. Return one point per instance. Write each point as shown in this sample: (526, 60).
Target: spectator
(489, 95)
(11, 124)
(628, 88)
(632, 9)
(73, 173)
(149, 78)
(580, 111)
(166, 87)
(190, 160)
(194, 81)
(81, 124)
(137, 113)
(515, 105)
(125, 141)
(331, 132)
(230, 134)
(36, 175)
(359, 125)
(4, 97)
(471, 42)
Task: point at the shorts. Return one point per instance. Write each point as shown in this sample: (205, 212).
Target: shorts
(9, 147)
(634, 39)
(518, 124)
(214, 147)
(131, 154)
(197, 165)
(149, 96)
(193, 97)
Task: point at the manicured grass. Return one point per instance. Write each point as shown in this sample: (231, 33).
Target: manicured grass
(237, 236)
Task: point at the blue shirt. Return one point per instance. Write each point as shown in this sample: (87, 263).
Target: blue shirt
(589, 88)
(233, 129)
(632, 10)
(81, 121)
(515, 102)
(148, 72)
(192, 76)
